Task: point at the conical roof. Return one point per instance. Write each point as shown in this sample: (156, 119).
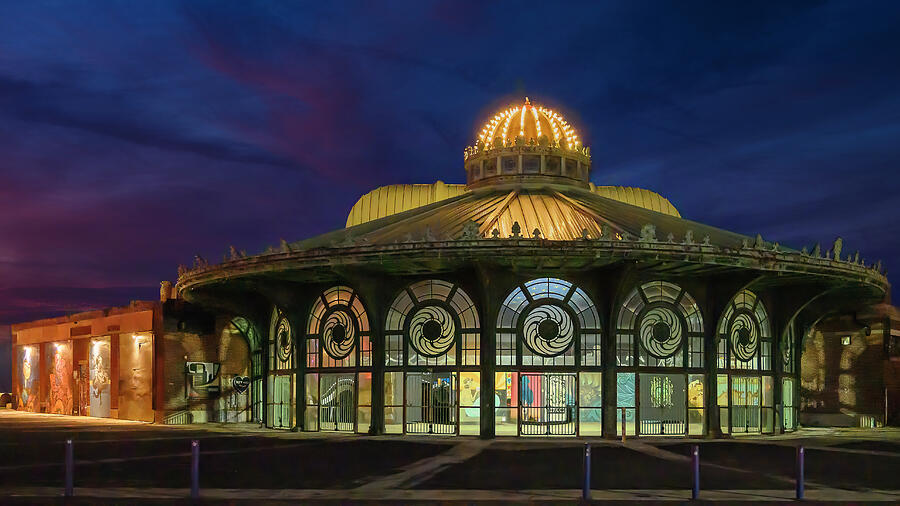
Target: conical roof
(556, 212)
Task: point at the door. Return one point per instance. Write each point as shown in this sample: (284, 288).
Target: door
(337, 402)
(282, 401)
(745, 403)
(547, 404)
(431, 403)
(663, 404)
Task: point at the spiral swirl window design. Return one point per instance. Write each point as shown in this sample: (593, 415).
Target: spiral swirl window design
(548, 322)
(548, 330)
(431, 331)
(284, 340)
(432, 323)
(338, 330)
(659, 325)
(661, 332)
(744, 337)
(338, 334)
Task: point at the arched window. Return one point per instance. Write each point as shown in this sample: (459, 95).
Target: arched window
(281, 342)
(281, 377)
(436, 322)
(745, 339)
(660, 323)
(338, 330)
(547, 322)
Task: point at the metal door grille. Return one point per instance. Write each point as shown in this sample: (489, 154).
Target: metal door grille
(337, 398)
(431, 403)
(547, 405)
(663, 399)
(745, 401)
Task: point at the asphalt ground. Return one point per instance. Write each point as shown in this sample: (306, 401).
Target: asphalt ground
(112, 454)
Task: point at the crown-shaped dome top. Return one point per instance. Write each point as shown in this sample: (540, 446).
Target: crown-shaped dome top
(530, 122)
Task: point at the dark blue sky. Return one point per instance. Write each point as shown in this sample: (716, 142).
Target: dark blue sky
(134, 135)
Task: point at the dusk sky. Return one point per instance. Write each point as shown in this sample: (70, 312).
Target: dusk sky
(134, 135)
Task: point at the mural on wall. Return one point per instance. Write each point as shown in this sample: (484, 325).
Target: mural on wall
(60, 376)
(100, 380)
(136, 372)
(29, 383)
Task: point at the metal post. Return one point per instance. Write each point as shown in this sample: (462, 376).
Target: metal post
(624, 429)
(586, 487)
(800, 457)
(195, 469)
(70, 471)
(695, 467)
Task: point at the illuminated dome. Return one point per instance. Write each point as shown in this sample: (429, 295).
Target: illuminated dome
(530, 122)
(527, 142)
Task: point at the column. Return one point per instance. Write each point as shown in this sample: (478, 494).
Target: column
(489, 303)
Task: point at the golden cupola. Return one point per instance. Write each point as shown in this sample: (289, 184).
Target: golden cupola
(527, 142)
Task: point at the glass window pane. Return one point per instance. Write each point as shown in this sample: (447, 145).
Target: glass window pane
(365, 388)
(506, 422)
(393, 389)
(625, 395)
(469, 421)
(312, 389)
(311, 420)
(767, 391)
(470, 389)
(722, 390)
(505, 390)
(590, 422)
(590, 388)
(393, 419)
(695, 390)
(363, 419)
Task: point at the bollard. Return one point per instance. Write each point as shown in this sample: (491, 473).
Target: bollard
(586, 487)
(800, 477)
(70, 471)
(695, 468)
(195, 469)
(623, 425)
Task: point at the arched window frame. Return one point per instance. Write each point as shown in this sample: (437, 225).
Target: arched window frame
(281, 376)
(338, 304)
(424, 300)
(744, 307)
(787, 351)
(659, 300)
(538, 296)
(282, 343)
(257, 367)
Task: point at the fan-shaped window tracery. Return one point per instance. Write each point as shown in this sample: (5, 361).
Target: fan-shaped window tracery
(547, 322)
(744, 334)
(281, 341)
(338, 330)
(660, 324)
(439, 323)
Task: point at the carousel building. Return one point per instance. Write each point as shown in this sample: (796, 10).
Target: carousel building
(526, 302)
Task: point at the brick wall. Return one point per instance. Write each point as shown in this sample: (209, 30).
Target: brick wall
(841, 382)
